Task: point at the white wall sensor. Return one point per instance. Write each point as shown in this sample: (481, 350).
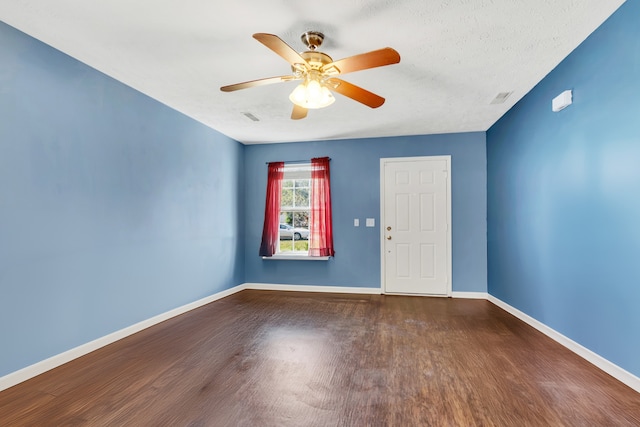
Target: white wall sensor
(562, 101)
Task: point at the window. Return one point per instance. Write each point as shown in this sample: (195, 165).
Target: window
(295, 208)
(298, 210)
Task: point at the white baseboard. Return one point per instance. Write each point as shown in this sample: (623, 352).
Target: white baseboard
(310, 288)
(610, 368)
(45, 365)
(470, 295)
(352, 290)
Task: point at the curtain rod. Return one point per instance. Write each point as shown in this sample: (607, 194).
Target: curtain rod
(295, 161)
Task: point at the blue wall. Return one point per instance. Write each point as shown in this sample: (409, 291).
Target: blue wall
(355, 186)
(564, 196)
(113, 207)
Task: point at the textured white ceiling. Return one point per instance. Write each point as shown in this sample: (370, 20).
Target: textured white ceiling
(457, 55)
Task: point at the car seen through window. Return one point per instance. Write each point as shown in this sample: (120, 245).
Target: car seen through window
(288, 232)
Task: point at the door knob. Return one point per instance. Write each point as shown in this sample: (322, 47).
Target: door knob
(388, 237)
(388, 228)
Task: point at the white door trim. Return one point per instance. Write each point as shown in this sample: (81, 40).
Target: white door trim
(383, 162)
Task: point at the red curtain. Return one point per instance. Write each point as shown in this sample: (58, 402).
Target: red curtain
(320, 227)
(271, 228)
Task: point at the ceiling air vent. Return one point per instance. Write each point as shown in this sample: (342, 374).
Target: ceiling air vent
(251, 117)
(501, 97)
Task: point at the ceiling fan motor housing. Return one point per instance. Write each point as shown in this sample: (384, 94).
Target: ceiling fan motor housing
(316, 59)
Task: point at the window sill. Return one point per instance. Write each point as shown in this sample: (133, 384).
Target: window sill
(296, 258)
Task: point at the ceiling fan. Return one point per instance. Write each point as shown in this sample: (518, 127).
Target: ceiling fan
(318, 72)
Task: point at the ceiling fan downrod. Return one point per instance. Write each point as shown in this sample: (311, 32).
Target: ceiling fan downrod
(312, 39)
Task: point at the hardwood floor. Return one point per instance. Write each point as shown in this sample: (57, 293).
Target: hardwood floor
(263, 358)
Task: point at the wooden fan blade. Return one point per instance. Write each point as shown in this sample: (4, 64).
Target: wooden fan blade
(376, 58)
(259, 82)
(298, 112)
(356, 93)
(277, 45)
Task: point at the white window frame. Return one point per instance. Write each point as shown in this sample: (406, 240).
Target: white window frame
(292, 172)
(296, 171)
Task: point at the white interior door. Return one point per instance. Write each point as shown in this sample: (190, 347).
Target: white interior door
(415, 224)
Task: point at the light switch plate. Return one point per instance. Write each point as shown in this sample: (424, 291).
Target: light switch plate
(371, 222)
(356, 222)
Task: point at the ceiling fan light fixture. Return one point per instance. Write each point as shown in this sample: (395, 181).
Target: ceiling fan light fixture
(312, 95)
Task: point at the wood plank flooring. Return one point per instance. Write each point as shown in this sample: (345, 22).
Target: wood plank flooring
(264, 358)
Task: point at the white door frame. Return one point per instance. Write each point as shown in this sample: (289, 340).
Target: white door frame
(385, 160)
